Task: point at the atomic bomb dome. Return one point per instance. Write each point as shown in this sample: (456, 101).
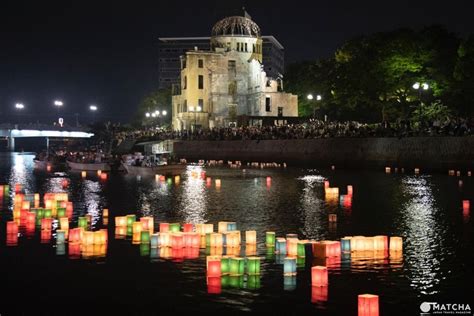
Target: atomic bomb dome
(236, 26)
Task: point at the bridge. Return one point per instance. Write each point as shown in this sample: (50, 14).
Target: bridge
(12, 131)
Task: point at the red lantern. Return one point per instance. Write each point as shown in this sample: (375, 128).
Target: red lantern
(214, 267)
(12, 228)
(203, 175)
(45, 236)
(46, 224)
(319, 276)
(17, 188)
(177, 240)
(12, 239)
(30, 217)
(191, 253)
(368, 305)
(188, 228)
(164, 227)
(75, 235)
(214, 285)
(349, 190)
(177, 254)
(466, 205)
(74, 250)
(103, 176)
(208, 182)
(319, 294)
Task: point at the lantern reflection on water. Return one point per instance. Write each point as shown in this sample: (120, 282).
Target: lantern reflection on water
(289, 266)
(250, 249)
(12, 240)
(289, 282)
(12, 227)
(253, 265)
(60, 236)
(368, 305)
(177, 240)
(319, 294)
(45, 236)
(466, 206)
(319, 276)
(214, 285)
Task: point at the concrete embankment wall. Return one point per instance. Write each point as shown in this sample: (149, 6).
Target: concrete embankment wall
(428, 153)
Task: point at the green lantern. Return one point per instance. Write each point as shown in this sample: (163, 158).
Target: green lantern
(131, 219)
(82, 222)
(225, 265)
(47, 213)
(300, 262)
(225, 281)
(301, 249)
(208, 239)
(145, 236)
(129, 231)
(236, 281)
(6, 190)
(175, 227)
(270, 239)
(253, 265)
(61, 212)
(270, 253)
(169, 181)
(253, 282)
(237, 266)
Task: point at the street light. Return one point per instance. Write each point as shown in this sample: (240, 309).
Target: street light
(164, 113)
(58, 103)
(93, 108)
(147, 114)
(311, 97)
(19, 106)
(420, 86)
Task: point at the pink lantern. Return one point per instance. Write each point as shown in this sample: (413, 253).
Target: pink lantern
(319, 276)
(177, 240)
(350, 190)
(12, 227)
(187, 228)
(164, 227)
(368, 305)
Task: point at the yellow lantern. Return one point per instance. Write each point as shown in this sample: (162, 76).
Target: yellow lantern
(222, 227)
(216, 240)
(368, 243)
(99, 172)
(165, 240)
(396, 244)
(218, 183)
(292, 245)
(387, 170)
(84, 174)
(137, 227)
(250, 249)
(121, 221)
(87, 238)
(380, 243)
(251, 237)
(64, 223)
(176, 179)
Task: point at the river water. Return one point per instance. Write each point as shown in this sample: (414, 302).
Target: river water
(37, 276)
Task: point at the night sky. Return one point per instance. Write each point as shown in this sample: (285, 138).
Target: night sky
(106, 54)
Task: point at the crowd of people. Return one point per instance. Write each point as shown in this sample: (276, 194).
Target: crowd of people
(312, 129)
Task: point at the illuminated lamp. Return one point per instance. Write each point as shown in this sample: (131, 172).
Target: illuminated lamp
(120, 221)
(84, 174)
(289, 282)
(105, 235)
(270, 239)
(417, 170)
(175, 227)
(269, 181)
(218, 183)
(231, 226)
(368, 305)
(458, 173)
(292, 247)
(253, 265)
(368, 243)
(75, 235)
(396, 244)
(61, 212)
(216, 240)
(451, 172)
(99, 172)
(12, 227)
(350, 190)
(469, 173)
(165, 239)
(237, 266)
(25, 205)
(147, 223)
(188, 228)
(387, 170)
(225, 264)
(105, 212)
(466, 206)
(45, 236)
(333, 167)
(18, 188)
(131, 219)
(332, 218)
(46, 223)
(289, 266)
(214, 267)
(120, 232)
(280, 247)
(137, 227)
(251, 249)
(251, 237)
(164, 227)
(103, 176)
(136, 237)
(88, 238)
(177, 240)
(319, 276)
(69, 207)
(155, 240)
(60, 236)
(232, 239)
(222, 227)
(380, 243)
(215, 251)
(176, 179)
(214, 285)
(30, 217)
(326, 184)
(358, 243)
(301, 251)
(319, 294)
(145, 237)
(82, 222)
(162, 178)
(346, 244)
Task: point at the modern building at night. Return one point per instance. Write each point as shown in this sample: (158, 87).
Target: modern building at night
(171, 48)
(226, 85)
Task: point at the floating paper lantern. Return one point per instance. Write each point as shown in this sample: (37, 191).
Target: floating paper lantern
(120, 221)
(292, 247)
(319, 294)
(46, 224)
(214, 285)
(187, 228)
(280, 247)
(469, 173)
(137, 228)
(222, 227)
(45, 236)
(451, 172)
(175, 227)
(177, 240)
(319, 276)
(218, 183)
(253, 265)
(269, 181)
(396, 244)
(232, 239)
(25, 205)
(251, 249)
(87, 238)
(208, 182)
(458, 173)
(368, 305)
(155, 240)
(131, 219)
(164, 227)
(326, 184)
(270, 239)
(380, 243)
(332, 218)
(82, 222)
(165, 239)
(289, 266)
(225, 264)
(251, 237)
(325, 248)
(289, 282)
(346, 244)
(145, 237)
(84, 174)
(237, 266)
(12, 227)
(387, 170)
(216, 240)
(417, 170)
(147, 223)
(177, 179)
(120, 232)
(105, 212)
(30, 217)
(99, 172)
(64, 223)
(358, 243)
(75, 235)
(213, 267)
(60, 236)
(136, 237)
(466, 206)
(215, 251)
(368, 243)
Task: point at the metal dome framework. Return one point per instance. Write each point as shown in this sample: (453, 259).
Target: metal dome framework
(236, 26)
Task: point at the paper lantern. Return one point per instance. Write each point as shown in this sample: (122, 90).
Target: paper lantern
(253, 265)
(136, 237)
(88, 238)
(225, 264)
(175, 227)
(251, 249)
(164, 227)
(137, 227)
(319, 276)
(222, 227)
(417, 170)
(75, 235)
(326, 184)
(380, 243)
(458, 173)
(232, 239)
(216, 240)
(165, 239)
(46, 224)
(45, 236)
(25, 205)
(451, 172)
(346, 244)
(358, 243)
(147, 223)
(319, 294)
(120, 221)
(250, 237)
(120, 232)
(368, 243)
(30, 217)
(237, 266)
(350, 190)
(214, 267)
(292, 247)
(214, 285)
(155, 240)
(188, 228)
(289, 282)
(131, 218)
(469, 173)
(145, 237)
(368, 305)
(387, 170)
(289, 266)
(269, 181)
(12, 227)
(82, 222)
(466, 205)
(215, 251)
(60, 236)
(18, 187)
(100, 237)
(177, 179)
(84, 174)
(270, 239)
(177, 240)
(396, 244)
(105, 212)
(218, 183)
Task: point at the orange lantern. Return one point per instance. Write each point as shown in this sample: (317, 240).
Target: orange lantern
(105, 212)
(251, 237)
(147, 223)
(216, 240)
(120, 232)
(88, 238)
(103, 176)
(75, 235)
(319, 276)
(12, 227)
(213, 267)
(368, 305)
(396, 244)
(292, 245)
(25, 205)
(250, 250)
(164, 227)
(121, 221)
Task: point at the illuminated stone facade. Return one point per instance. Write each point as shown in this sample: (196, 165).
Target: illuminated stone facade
(227, 86)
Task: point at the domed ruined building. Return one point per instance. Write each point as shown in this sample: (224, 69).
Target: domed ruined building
(227, 85)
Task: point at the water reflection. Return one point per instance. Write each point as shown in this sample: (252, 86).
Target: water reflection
(92, 200)
(313, 207)
(422, 234)
(194, 196)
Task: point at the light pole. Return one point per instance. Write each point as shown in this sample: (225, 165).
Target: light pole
(19, 106)
(419, 87)
(310, 97)
(93, 108)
